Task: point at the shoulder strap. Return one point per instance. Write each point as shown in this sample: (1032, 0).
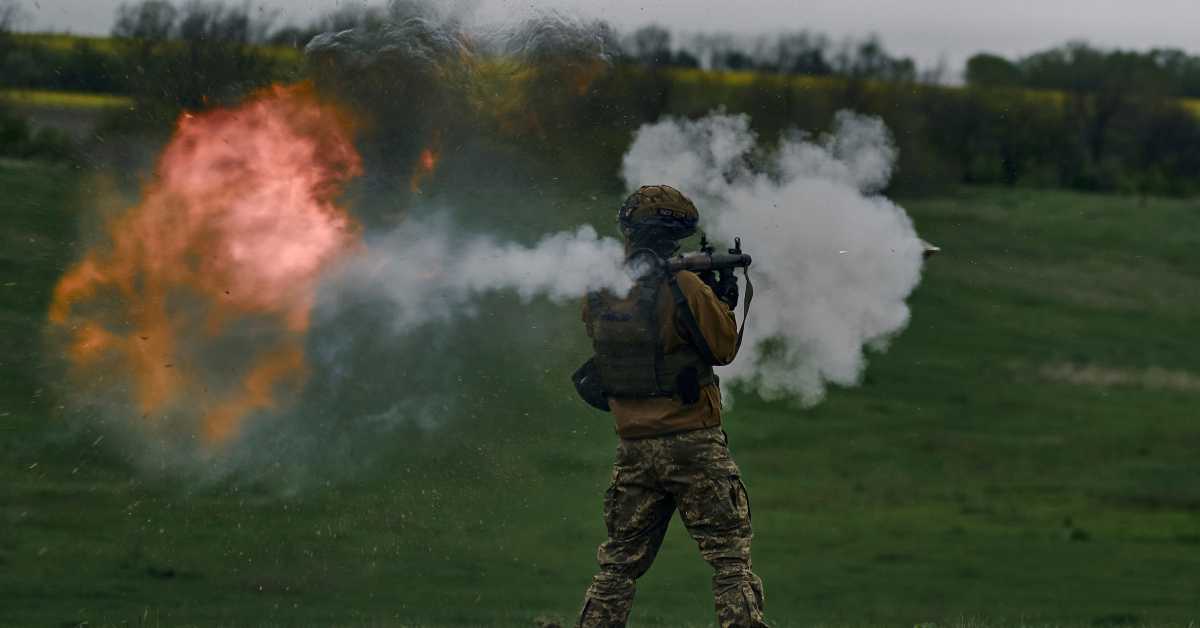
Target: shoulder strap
(745, 305)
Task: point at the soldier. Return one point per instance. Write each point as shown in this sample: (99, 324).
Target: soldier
(654, 353)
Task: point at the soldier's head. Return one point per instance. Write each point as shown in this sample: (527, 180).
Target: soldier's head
(657, 217)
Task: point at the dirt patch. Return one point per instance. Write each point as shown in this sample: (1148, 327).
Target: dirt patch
(1106, 376)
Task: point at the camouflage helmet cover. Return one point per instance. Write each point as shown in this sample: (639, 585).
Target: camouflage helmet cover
(658, 211)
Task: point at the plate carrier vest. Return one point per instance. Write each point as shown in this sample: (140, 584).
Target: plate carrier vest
(628, 347)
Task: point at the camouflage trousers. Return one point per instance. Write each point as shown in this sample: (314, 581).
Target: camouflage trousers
(694, 473)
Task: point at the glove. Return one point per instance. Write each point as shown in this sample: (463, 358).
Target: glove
(727, 288)
(709, 277)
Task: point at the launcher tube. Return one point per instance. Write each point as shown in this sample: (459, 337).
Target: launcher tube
(698, 262)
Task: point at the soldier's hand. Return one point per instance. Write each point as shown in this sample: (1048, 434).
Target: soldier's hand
(709, 277)
(727, 288)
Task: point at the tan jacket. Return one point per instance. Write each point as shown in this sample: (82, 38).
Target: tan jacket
(639, 418)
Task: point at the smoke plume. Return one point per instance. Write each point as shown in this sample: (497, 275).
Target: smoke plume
(425, 81)
(332, 263)
(834, 261)
(423, 273)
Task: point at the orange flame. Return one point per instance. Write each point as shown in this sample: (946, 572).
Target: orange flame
(224, 250)
(426, 165)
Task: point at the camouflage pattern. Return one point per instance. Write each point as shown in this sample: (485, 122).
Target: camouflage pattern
(658, 206)
(694, 473)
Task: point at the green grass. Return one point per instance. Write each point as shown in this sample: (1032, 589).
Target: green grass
(967, 482)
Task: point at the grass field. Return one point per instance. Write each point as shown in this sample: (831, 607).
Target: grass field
(1025, 454)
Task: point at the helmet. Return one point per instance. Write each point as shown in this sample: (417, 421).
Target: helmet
(657, 212)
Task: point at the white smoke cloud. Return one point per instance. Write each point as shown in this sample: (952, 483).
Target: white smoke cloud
(834, 262)
(428, 275)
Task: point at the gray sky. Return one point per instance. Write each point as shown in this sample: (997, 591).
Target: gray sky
(925, 29)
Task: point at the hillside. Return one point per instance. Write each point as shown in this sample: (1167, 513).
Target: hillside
(1024, 454)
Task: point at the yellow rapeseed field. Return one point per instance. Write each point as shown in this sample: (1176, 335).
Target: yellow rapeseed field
(63, 100)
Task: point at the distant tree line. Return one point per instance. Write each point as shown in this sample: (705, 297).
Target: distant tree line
(796, 52)
(1081, 67)
(10, 18)
(196, 49)
(1074, 116)
(947, 136)
(160, 52)
(18, 138)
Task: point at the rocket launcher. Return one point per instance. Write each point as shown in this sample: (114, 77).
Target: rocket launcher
(707, 259)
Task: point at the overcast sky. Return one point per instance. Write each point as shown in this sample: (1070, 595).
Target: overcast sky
(928, 30)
